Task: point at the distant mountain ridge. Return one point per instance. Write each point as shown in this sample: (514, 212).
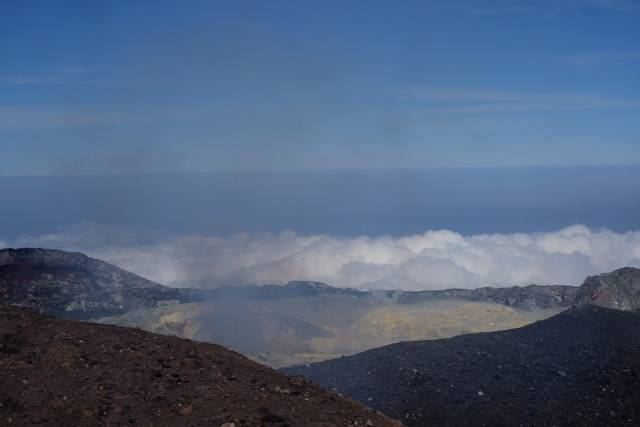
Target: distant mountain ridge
(531, 297)
(293, 289)
(618, 289)
(73, 282)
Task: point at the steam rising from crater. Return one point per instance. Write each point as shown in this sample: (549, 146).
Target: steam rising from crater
(437, 259)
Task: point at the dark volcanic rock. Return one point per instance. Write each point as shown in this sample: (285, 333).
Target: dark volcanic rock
(580, 367)
(619, 289)
(532, 297)
(295, 289)
(76, 286)
(59, 372)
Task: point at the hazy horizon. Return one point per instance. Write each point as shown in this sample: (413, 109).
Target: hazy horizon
(341, 203)
(411, 229)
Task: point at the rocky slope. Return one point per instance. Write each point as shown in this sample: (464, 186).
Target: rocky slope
(580, 367)
(619, 289)
(59, 372)
(76, 286)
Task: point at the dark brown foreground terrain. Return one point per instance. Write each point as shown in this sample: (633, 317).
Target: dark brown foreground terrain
(61, 372)
(578, 368)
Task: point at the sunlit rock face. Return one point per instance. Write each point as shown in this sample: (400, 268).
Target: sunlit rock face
(619, 289)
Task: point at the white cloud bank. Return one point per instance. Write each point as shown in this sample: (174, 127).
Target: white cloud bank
(437, 259)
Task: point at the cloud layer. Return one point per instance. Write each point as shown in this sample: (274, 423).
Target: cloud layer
(437, 259)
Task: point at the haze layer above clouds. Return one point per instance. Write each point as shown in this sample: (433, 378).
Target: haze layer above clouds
(437, 259)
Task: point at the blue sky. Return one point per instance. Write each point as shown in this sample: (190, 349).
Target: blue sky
(120, 86)
(522, 114)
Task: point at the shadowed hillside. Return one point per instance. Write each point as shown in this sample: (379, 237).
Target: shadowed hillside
(580, 367)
